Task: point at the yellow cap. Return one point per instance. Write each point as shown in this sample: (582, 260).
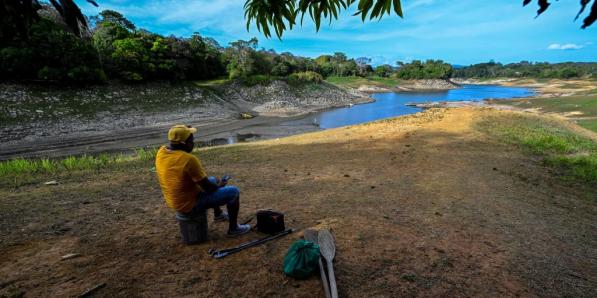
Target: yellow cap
(178, 134)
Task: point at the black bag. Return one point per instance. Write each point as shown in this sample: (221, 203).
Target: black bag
(270, 222)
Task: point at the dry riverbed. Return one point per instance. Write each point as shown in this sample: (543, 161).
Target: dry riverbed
(49, 121)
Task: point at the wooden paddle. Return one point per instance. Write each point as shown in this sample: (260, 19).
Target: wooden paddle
(311, 236)
(328, 251)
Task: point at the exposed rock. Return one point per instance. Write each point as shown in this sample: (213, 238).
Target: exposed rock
(280, 99)
(373, 89)
(427, 85)
(70, 256)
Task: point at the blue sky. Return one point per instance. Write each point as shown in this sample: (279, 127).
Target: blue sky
(459, 32)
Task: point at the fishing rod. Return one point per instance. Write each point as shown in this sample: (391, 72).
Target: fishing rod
(218, 254)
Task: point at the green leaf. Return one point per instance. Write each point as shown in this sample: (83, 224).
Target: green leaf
(377, 9)
(398, 8)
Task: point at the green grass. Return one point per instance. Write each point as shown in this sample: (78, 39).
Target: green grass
(560, 146)
(356, 82)
(212, 83)
(22, 170)
(19, 172)
(586, 104)
(589, 124)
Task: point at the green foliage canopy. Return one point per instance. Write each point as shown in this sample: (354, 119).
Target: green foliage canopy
(50, 54)
(384, 70)
(430, 69)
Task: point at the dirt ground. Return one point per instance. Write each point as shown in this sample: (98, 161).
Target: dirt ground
(423, 205)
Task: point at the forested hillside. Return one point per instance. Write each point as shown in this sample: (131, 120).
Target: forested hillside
(114, 48)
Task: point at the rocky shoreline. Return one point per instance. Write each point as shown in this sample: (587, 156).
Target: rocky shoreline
(412, 86)
(423, 85)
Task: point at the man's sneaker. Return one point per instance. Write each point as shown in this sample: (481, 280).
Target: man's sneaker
(240, 229)
(222, 217)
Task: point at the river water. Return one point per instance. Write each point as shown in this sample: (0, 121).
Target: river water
(393, 104)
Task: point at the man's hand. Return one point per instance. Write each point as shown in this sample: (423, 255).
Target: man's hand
(222, 182)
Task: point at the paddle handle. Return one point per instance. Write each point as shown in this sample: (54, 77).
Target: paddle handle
(332, 277)
(324, 280)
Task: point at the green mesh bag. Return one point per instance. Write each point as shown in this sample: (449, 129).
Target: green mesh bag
(302, 259)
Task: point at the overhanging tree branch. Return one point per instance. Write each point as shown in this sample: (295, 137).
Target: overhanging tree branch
(281, 15)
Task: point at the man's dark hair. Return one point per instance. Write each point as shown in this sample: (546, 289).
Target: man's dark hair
(186, 146)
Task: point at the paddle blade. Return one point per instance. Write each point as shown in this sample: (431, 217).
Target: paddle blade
(311, 235)
(327, 246)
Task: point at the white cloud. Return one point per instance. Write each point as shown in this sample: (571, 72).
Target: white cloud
(568, 46)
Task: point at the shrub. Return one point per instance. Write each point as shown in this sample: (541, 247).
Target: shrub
(305, 77)
(256, 80)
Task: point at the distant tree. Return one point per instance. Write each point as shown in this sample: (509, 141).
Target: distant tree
(109, 26)
(384, 70)
(206, 57)
(363, 67)
(324, 65)
(362, 61)
(430, 69)
(240, 58)
(349, 68)
(338, 57)
(113, 17)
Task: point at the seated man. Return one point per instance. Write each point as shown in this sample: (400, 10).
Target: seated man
(187, 188)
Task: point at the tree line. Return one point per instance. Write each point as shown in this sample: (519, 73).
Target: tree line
(525, 69)
(416, 70)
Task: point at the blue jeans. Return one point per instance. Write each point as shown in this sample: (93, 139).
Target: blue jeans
(227, 195)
